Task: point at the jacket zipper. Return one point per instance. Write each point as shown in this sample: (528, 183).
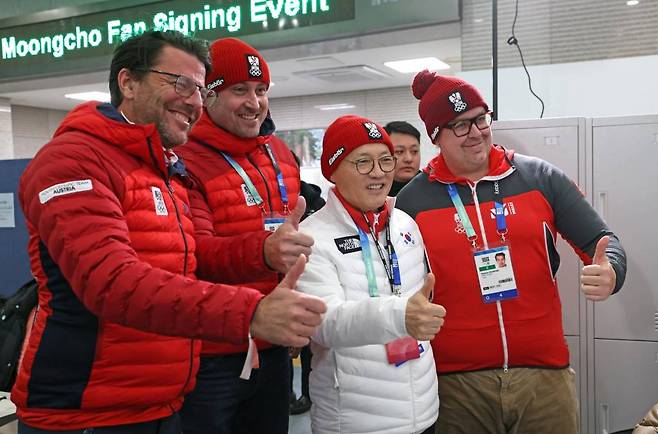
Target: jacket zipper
(170, 190)
(499, 307)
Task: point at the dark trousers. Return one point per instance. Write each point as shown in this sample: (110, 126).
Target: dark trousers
(305, 357)
(223, 403)
(168, 425)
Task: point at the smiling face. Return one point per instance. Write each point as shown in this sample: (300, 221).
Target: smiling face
(466, 156)
(364, 192)
(407, 151)
(241, 108)
(153, 99)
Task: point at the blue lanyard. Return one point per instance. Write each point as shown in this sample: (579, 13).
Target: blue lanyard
(247, 181)
(391, 267)
(501, 224)
(461, 211)
(367, 259)
(279, 178)
(250, 185)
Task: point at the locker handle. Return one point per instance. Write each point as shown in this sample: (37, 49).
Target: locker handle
(603, 204)
(604, 419)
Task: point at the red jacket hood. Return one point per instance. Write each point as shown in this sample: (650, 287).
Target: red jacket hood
(206, 131)
(500, 165)
(133, 139)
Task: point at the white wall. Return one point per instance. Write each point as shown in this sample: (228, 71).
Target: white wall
(613, 87)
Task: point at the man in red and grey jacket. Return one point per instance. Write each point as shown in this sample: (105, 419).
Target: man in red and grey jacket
(502, 360)
(111, 244)
(247, 190)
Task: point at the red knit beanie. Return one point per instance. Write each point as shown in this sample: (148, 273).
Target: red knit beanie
(234, 61)
(344, 135)
(443, 98)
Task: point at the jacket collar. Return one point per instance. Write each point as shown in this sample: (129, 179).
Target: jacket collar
(103, 121)
(376, 220)
(500, 165)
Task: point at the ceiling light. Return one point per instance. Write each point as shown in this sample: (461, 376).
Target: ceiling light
(339, 106)
(632, 2)
(89, 96)
(415, 65)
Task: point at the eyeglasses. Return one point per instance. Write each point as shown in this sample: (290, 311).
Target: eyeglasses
(185, 87)
(366, 165)
(463, 127)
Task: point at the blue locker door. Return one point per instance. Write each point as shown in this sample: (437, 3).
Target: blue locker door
(14, 261)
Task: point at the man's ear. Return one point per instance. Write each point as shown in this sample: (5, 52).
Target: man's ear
(127, 84)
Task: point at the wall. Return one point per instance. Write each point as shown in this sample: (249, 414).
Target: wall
(32, 128)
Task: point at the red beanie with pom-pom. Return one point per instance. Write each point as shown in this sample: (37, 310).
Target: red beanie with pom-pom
(443, 98)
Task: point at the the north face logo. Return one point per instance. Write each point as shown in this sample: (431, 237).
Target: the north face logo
(254, 66)
(348, 244)
(373, 132)
(458, 105)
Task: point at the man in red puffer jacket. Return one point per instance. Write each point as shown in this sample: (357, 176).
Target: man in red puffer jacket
(111, 244)
(248, 187)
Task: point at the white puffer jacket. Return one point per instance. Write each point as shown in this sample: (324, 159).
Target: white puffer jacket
(353, 387)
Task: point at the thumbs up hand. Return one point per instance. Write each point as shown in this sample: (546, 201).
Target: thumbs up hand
(423, 318)
(287, 317)
(597, 281)
(283, 247)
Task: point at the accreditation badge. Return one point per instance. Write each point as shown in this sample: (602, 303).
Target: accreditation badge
(496, 274)
(273, 220)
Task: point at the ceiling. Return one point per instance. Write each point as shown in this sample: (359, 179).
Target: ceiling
(339, 65)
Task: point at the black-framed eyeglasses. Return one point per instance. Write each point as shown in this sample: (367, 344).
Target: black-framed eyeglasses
(463, 127)
(185, 87)
(366, 165)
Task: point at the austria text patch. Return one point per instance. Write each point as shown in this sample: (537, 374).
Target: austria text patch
(64, 188)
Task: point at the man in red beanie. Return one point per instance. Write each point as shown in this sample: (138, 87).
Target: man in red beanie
(502, 360)
(247, 188)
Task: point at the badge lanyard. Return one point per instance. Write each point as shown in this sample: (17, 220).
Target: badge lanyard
(250, 185)
(501, 224)
(461, 211)
(391, 267)
(279, 178)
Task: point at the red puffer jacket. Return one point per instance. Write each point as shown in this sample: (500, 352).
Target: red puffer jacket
(222, 207)
(110, 240)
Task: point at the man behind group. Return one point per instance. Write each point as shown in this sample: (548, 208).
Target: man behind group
(247, 191)
(406, 141)
(111, 245)
(502, 360)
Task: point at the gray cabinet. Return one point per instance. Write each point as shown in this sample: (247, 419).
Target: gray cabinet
(625, 327)
(613, 344)
(626, 383)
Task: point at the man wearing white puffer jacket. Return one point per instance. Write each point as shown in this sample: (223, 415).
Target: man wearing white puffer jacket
(373, 369)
